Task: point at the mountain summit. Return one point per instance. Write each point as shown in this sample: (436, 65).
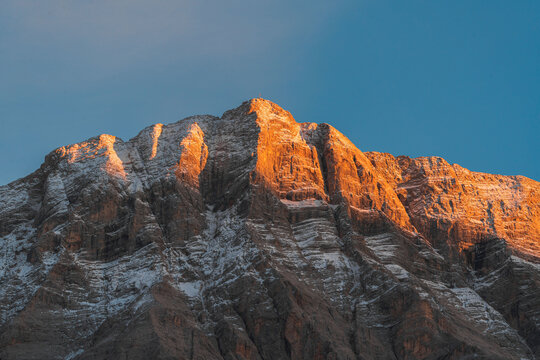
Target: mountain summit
(252, 236)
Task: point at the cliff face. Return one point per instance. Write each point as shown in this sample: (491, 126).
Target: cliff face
(251, 236)
(448, 203)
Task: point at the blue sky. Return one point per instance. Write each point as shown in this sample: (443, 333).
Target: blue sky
(457, 79)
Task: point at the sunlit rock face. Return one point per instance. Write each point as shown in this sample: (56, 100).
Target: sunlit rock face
(252, 236)
(461, 207)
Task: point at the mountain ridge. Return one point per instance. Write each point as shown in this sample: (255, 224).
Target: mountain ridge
(248, 101)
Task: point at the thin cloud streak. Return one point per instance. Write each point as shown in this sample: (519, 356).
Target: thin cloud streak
(141, 30)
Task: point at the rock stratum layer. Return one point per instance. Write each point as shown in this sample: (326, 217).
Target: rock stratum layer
(252, 236)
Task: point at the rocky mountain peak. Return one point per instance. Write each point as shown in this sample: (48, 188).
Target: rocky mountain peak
(252, 236)
(266, 110)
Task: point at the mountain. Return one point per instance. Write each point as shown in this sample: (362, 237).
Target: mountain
(252, 236)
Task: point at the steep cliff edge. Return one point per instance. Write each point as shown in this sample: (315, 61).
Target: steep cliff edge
(252, 236)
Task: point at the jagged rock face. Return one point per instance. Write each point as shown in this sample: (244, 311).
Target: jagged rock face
(251, 236)
(449, 203)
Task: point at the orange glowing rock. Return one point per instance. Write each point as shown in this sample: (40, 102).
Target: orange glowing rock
(194, 153)
(451, 202)
(352, 177)
(102, 146)
(285, 161)
(289, 162)
(156, 133)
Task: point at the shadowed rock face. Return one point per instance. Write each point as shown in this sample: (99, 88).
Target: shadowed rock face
(251, 236)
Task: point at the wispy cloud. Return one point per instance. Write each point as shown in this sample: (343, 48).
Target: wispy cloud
(71, 37)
